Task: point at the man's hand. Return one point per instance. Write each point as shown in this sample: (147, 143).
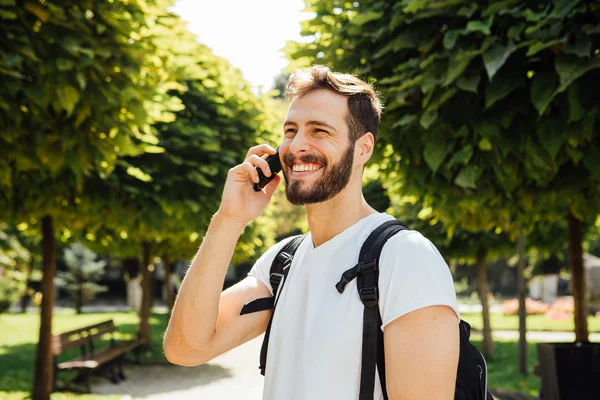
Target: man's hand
(239, 200)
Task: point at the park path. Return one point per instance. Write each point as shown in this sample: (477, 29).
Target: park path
(234, 375)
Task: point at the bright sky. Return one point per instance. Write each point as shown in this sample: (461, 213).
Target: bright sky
(248, 33)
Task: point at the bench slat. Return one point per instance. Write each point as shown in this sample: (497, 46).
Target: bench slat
(101, 357)
(77, 337)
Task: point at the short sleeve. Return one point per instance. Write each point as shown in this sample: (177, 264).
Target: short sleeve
(413, 275)
(261, 269)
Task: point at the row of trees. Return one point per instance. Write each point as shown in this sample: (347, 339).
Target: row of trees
(491, 118)
(118, 128)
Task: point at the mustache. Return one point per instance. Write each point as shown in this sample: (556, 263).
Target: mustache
(289, 158)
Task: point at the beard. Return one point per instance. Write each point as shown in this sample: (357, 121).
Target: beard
(333, 181)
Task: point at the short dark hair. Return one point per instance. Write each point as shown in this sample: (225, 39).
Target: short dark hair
(364, 104)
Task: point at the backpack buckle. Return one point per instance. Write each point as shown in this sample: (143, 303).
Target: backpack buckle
(366, 267)
(284, 257)
(368, 296)
(275, 280)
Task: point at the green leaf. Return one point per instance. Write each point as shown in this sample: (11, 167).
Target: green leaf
(68, 97)
(405, 120)
(591, 160)
(8, 3)
(480, 26)
(435, 153)
(552, 136)
(459, 61)
(153, 149)
(500, 87)
(581, 47)
(485, 144)
(12, 73)
(562, 8)
(514, 32)
(139, 174)
(569, 68)
(539, 46)
(199, 179)
(495, 57)
(451, 37)
(365, 17)
(576, 111)
(428, 118)
(543, 89)
(467, 177)
(8, 15)
(468, 83)
(463, 156)
(36, 9)
(64, 64)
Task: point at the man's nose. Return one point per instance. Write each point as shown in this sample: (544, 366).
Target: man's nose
(300, 143)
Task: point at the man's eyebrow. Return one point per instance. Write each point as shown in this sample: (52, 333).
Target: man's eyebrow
(312, 122)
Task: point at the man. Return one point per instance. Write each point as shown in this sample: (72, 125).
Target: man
(316, 336)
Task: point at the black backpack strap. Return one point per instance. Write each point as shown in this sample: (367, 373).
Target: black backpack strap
(276, 276)
(367, 274)
(279, 271)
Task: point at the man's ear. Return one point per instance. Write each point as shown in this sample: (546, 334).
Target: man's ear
(365, 145)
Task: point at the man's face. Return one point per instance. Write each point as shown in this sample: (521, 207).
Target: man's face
(317, 156)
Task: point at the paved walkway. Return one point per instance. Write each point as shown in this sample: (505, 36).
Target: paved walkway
(234, 375)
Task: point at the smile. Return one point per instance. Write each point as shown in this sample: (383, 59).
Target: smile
(306, 167)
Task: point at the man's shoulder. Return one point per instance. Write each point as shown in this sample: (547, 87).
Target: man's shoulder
(410, 244)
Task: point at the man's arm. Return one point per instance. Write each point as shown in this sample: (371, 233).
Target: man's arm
(206, 322)
(421, 354)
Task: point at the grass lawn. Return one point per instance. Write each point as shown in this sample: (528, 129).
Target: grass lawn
(503, 322)
(503, 367)
(19, 335)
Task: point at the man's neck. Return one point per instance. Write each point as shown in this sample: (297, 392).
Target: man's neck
(335, 215)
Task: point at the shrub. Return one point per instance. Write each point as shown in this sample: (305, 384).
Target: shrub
(511, 307)
(9, 293)
(562, 308)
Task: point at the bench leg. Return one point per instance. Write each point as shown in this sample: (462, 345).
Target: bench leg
(121, 371)
(86, 381)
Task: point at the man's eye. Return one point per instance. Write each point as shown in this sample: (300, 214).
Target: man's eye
(290, 132)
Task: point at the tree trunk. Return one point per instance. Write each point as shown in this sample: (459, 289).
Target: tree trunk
(44, 370)
(78, 300)
(488, 343)
(144, 331)
(523, 366)
(26, 298)
(168, 286)
(578, 279)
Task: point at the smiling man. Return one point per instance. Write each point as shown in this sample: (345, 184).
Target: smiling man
(316, 336)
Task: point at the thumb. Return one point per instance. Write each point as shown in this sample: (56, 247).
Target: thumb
(271, 186)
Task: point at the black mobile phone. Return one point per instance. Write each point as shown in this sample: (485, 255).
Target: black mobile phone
(274, 165)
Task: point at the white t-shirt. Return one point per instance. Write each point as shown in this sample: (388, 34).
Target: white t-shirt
(316, 336)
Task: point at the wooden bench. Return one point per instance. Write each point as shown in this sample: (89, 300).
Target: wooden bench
(93, 356)
(500, 394)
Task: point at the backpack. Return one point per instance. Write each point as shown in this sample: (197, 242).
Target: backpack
(471, 379)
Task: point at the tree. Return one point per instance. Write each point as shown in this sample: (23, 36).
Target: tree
(83, 271)
(80, 87)
(491, 106)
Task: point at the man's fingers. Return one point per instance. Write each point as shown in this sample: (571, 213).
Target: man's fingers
(260, 163)
(260, 150)
(271, 186)
(251, 171)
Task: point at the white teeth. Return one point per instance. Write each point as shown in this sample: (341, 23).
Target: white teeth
(305, 167)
